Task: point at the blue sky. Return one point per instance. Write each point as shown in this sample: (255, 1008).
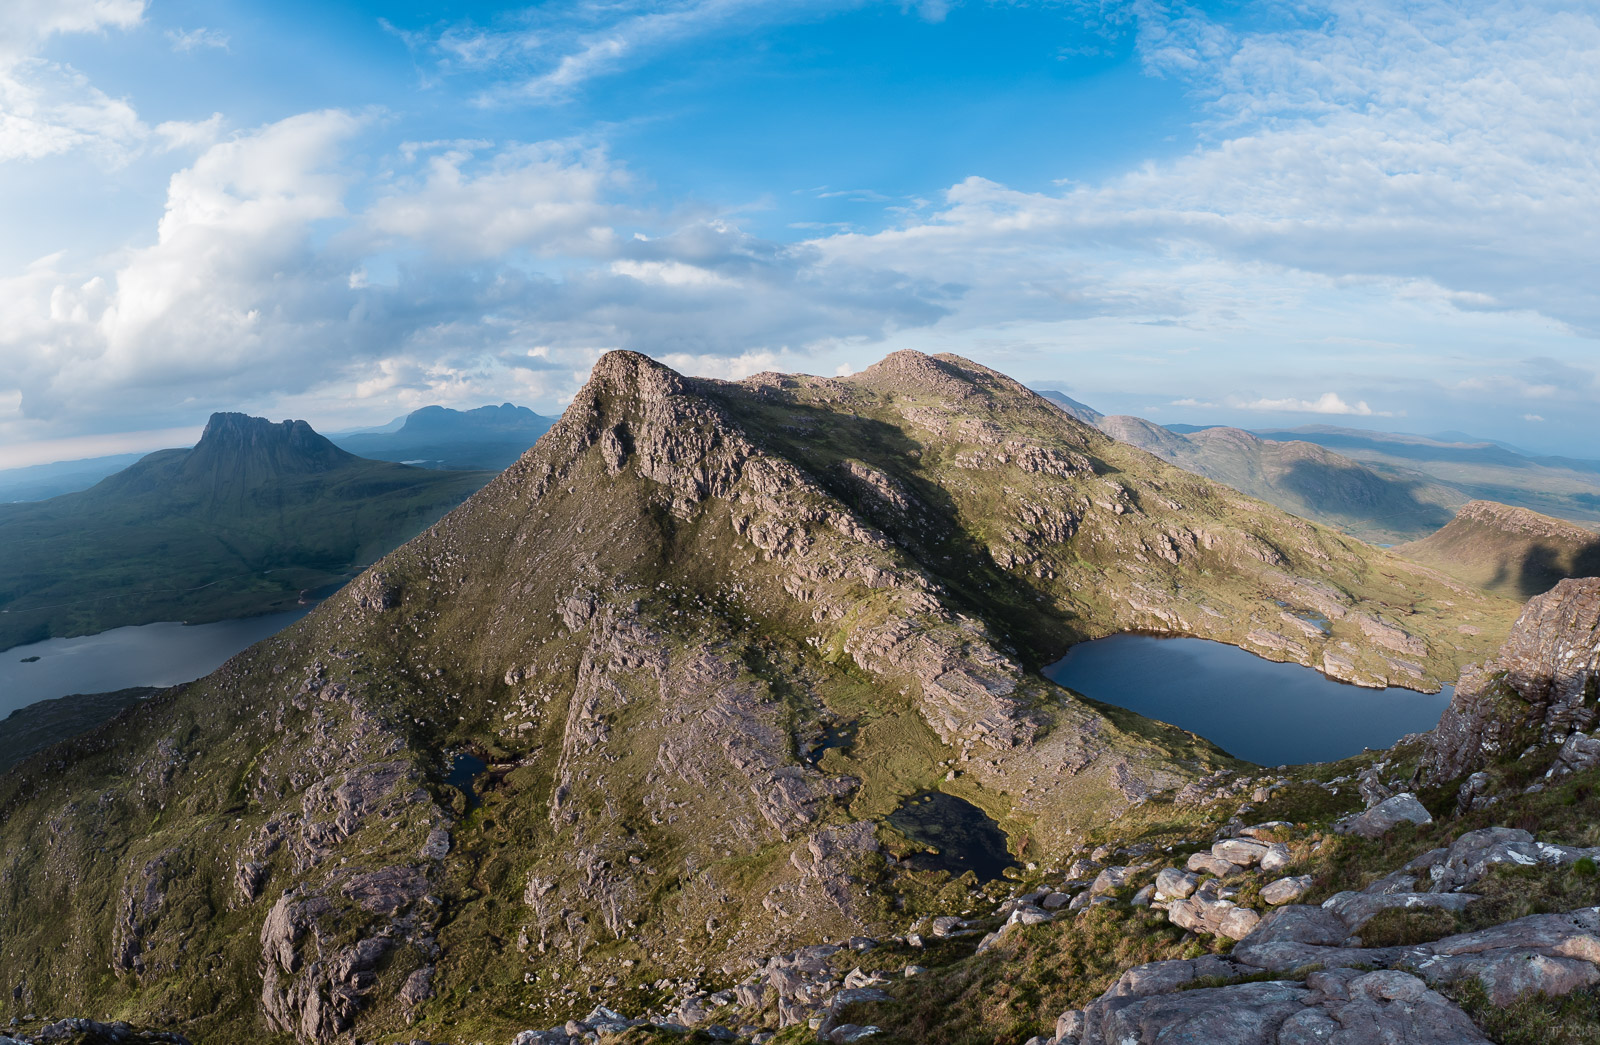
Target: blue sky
(1267, 214)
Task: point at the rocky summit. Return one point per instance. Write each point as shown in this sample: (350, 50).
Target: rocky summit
(622, 737)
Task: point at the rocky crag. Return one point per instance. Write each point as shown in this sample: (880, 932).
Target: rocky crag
(581, 738)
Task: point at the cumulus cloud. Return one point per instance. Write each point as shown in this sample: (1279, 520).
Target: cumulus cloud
(473, 268)
(548, 198)
(1326, 403)
(47, 108)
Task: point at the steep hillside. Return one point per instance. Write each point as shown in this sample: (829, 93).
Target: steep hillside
(240, 524)
(489, 437)
(1301, 478)
(1507, 550)
(647, 710)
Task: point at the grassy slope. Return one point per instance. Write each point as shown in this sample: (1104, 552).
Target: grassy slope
(128, 552)
(722, 584)
(1511, 551)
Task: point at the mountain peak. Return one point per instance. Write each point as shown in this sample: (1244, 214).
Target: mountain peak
(243, 444)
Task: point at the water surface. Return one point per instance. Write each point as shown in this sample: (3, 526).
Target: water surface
(464, 769)
(962, 835)
(1253, 708)
(163, 654)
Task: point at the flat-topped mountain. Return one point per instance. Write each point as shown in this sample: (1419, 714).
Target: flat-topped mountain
(1508, 550)
(1300, 477)
(438, 437)
(243, 522)
(704, 640)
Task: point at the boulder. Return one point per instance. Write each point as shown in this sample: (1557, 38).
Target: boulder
(1276, 858)
(1173, 884)
(1471, 856)
(1209, 863)
(1340, 1006)
(1384, 817)
(1356, 909)
(1241, 851)
(1113, 878)
(1286, 890)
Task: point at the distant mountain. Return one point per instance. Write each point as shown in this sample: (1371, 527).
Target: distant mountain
(1566, 487)
(1298, 477)
(241, 524)
(438, 437)
(1087, 414)
(41, 481)
(1507, 550)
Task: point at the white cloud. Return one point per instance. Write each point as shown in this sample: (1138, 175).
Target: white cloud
(1326, 403)
(489, 267)
(547, 198)
(1446, 151)
(26, 23)
(187, 134)
(47, 108)
(562, 45)
(1532, 417)
(187, 41)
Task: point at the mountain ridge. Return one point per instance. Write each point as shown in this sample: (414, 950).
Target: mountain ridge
(646, 629)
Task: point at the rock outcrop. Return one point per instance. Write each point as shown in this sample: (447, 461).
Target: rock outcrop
(1543, 685)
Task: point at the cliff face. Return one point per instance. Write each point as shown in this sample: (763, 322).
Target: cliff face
(1543, 684)
(1509, 550)
(646, 629)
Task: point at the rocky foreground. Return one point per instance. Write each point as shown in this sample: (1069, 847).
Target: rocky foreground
(1377, 961)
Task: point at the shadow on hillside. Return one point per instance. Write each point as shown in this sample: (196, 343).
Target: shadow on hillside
(932, 532)
(1543, 566)
(1358, 493)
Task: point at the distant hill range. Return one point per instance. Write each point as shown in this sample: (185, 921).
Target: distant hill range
(1299, 477)
(243, 523)
(1507, 550)
(1479, 469)
(437, 437)
(39, 482)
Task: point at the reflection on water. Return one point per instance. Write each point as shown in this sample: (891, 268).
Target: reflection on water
(964, 837)
(464, 769)
(1256, 709)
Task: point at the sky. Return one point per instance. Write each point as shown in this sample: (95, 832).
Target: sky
(1371, 214)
